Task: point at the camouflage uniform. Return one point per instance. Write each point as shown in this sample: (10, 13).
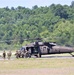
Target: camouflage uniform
(9, 54)
(4, 54)
(27, 54)
(17, 54)
(22, 54)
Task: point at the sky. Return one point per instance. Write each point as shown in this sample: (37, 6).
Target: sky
(31, 3)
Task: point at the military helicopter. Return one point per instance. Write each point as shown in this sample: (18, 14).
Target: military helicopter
(44, 48)
(39, 48)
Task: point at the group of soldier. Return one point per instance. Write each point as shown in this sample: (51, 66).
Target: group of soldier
(18, 54)
(22, 54)
(8, 55)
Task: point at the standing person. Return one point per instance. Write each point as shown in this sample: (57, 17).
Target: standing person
(4, 54)
(27, 54)
(17, 54)
(9, 54)
(22, 54)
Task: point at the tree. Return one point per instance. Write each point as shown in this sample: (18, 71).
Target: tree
(23, 23)
(7, 8)
(60, 11)
(35, 7)
(12, 8)
(72, 4)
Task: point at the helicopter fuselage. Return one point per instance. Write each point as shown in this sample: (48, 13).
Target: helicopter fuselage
(44, 49)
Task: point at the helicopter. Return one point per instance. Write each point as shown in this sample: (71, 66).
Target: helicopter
(39, 48)
(46, 48)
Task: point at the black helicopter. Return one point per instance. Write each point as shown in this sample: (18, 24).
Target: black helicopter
(44, 48)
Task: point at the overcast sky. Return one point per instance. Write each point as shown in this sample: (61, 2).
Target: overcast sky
(31, 3)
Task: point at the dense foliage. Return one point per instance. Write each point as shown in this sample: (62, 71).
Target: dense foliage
(53, 23)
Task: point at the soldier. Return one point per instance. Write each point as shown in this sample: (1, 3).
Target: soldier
(22, 54)
(17, 54)
(27, 53)
(4, 54)
(9, 54)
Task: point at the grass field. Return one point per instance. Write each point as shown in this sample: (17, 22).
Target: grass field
(37, 66)
(36, 63)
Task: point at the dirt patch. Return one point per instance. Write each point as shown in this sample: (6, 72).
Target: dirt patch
(45, 71)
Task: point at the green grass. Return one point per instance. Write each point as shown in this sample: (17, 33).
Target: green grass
(36, 63)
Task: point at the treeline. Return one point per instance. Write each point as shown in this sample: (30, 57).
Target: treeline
(54, 24)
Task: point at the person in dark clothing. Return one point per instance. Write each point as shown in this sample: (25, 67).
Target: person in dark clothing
(17, 54)
(4, 54)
